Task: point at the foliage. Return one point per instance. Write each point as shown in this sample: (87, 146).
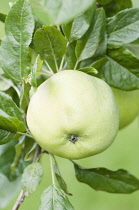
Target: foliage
(42, 38)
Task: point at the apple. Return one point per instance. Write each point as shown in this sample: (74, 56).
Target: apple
(73, 115)
(128, 104)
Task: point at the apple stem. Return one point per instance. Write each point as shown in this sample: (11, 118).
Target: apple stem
(52, 170)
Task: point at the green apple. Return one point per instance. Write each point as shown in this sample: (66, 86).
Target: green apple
(128, 103)
(73, 115)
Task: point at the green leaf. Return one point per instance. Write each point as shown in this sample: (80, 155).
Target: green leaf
(122, 69)
(126, 59)
(77, 28)
(36, 68)
(14, 52)
(100, 53)
(31, 178)
(88, 44)
(119, 77)
(122, 29)
(49, 43)
(60, 179)
(30, 153)
(103, 2)
(120, 181)
(11, 113)
(18, 151)
(98, 65)
(70, 55)
(89, 70)
(5, 83)
(2, 17)
(24, 96)
(6, 136)
(54, 198)
(58, 12)
(116, 6)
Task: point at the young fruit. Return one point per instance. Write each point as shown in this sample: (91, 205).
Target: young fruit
(128, 104)
(73, 115)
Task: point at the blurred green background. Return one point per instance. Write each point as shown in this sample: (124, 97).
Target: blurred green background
(124, 153)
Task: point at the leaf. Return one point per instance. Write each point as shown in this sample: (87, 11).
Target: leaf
(31, 152)
(5, 83)
(54, 198)
(70, 55)
(49, 43)
(6, 136)
(7, 153)
(60, 179)
(103, 2)
(117, 76)
(14, 52)
(98, 65)
(122, 69)
(89, 70)
(100, 53)
(120, 181)
(122, 29)
(77, 28)
(88, 44)
(31, 178)
(58, 12)
(116, 6)
(18, 151)
(36, 68)
(2, 17)
(126, 59)
(11, 113)
(24, 95)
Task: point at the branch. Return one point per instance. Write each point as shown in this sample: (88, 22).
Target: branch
(19, 201)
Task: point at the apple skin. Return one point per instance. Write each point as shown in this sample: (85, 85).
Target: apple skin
(73, 115)
(128, 104)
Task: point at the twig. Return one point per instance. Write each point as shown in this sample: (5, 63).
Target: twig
(19, 201)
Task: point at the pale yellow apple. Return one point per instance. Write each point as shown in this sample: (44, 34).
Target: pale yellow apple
(128, 103)
(73, 115)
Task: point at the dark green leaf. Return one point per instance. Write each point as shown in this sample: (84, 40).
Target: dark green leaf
(98, 65)
(100, 53)
(60, 179)
(119, 181)
(116, 6)
(31, 178)
(103, 2)
(119, 77)
(5, 136)
(7, 153)
(123, 28)
(89, 70)
(88, 44)
(24, 97)
(54, 198)
(77, 28)
(58, 12)
(19, 27)
(31, 152)
(11, 112)
(49, 43)
(126, 59)
(2, 17)
(70, 55)
(18, 151)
